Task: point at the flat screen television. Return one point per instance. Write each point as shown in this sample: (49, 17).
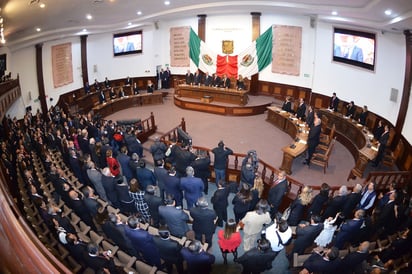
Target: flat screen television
(128, 43)
(354, 48)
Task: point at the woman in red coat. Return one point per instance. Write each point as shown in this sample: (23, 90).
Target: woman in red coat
(113, 164)
(229, 239)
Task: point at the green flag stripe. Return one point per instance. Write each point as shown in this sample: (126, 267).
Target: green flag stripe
(264, 49)
(194, 46)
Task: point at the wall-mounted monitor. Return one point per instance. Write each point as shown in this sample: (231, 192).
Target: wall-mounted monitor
(354, 47)
(128, 43)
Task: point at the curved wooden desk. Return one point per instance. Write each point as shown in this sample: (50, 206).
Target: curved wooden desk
(356, 138)
(296, 129)
(115, 105)
(224, 95)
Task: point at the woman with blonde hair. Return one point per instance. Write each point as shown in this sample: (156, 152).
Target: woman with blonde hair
(256, 191)
(298, 206)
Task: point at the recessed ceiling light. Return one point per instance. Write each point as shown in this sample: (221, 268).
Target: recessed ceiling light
(89, 17)
(334, 13)
(139, 13)
(388, 12)
(42, 5)
(129, 24)
(38, 29)
(167, 3)
(84, 30)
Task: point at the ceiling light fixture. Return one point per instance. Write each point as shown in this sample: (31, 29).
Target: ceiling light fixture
(388, 12)
(89, 17)
(334, 13)
(139, 13)
(38, 29)
(167, 3)
(2, 40)
(42, 5)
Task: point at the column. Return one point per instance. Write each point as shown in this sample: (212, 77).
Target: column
(254, 81)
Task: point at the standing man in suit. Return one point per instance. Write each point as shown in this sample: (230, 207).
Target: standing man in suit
(310, 117)
(197, 78)
(203, 220)
(216, 81)
(383, 140)
(198, 261)
(334, 102)
(169, 250)
(102, 97)
(161, 175)
(363, 115)
(313, 137)
(174, 217)
(306, 234)
(387, 221)
(221, 154)
(225, 81)
(208, 81)
(188, 77)
(172, 187)
(153, 202)
(350, 110)
(201, 167)
(142, 241)
(192, 187)
(278, 189)
(220, 202)
(301, 111)
(124, 159)
(349, 229)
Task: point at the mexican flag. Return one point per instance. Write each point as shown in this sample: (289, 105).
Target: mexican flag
(252, 60)
(201, 55)
(257, 56)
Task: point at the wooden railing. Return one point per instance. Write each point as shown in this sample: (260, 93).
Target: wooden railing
(383, 179)
(148, 128)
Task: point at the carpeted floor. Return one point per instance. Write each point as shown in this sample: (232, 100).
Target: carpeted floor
(244, 133)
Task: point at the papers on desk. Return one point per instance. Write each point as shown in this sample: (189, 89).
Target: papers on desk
(294, 118)
(302, 142)
(370, 136)
(359, 125)
(374, 148)
(301, 125)
(283, 111)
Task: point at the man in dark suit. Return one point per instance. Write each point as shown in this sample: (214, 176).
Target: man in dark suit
(153, 202)
(80, 209)
(169, 250)
(326, 262)
(198, 261)
(115, 229)
(257, 259)
(183, 157)
(349, 229)
(334, 102)
(306, 233)
(350, 110)
(352, 201)
(99, 262)
(301, 110)
(197, 78)
(192, 187)
(172, 187)
(216, 81)
(383, 140)
(278, 189)
(313, 138)
(175, 218)
(225, 81)
(144, 175)
(220, 202)
(353, 261)
(188, 77)
(311, 117)
(386, 222)
(161, 175)
(90, 200)
(202, 171)
(336, 204)
(142, 241)
(124, 159)
(203, 220)
(208, 81)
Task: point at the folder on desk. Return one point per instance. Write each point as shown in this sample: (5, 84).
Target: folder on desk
(374, 148)
(302, 142)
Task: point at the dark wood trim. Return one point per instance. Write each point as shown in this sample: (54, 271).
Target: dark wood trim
(83, 52)
(406, 93)
(40, 79)
(201, 26)
(219, 109)
(254, 81)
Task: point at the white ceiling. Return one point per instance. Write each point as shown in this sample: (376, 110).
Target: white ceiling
(62, 18)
